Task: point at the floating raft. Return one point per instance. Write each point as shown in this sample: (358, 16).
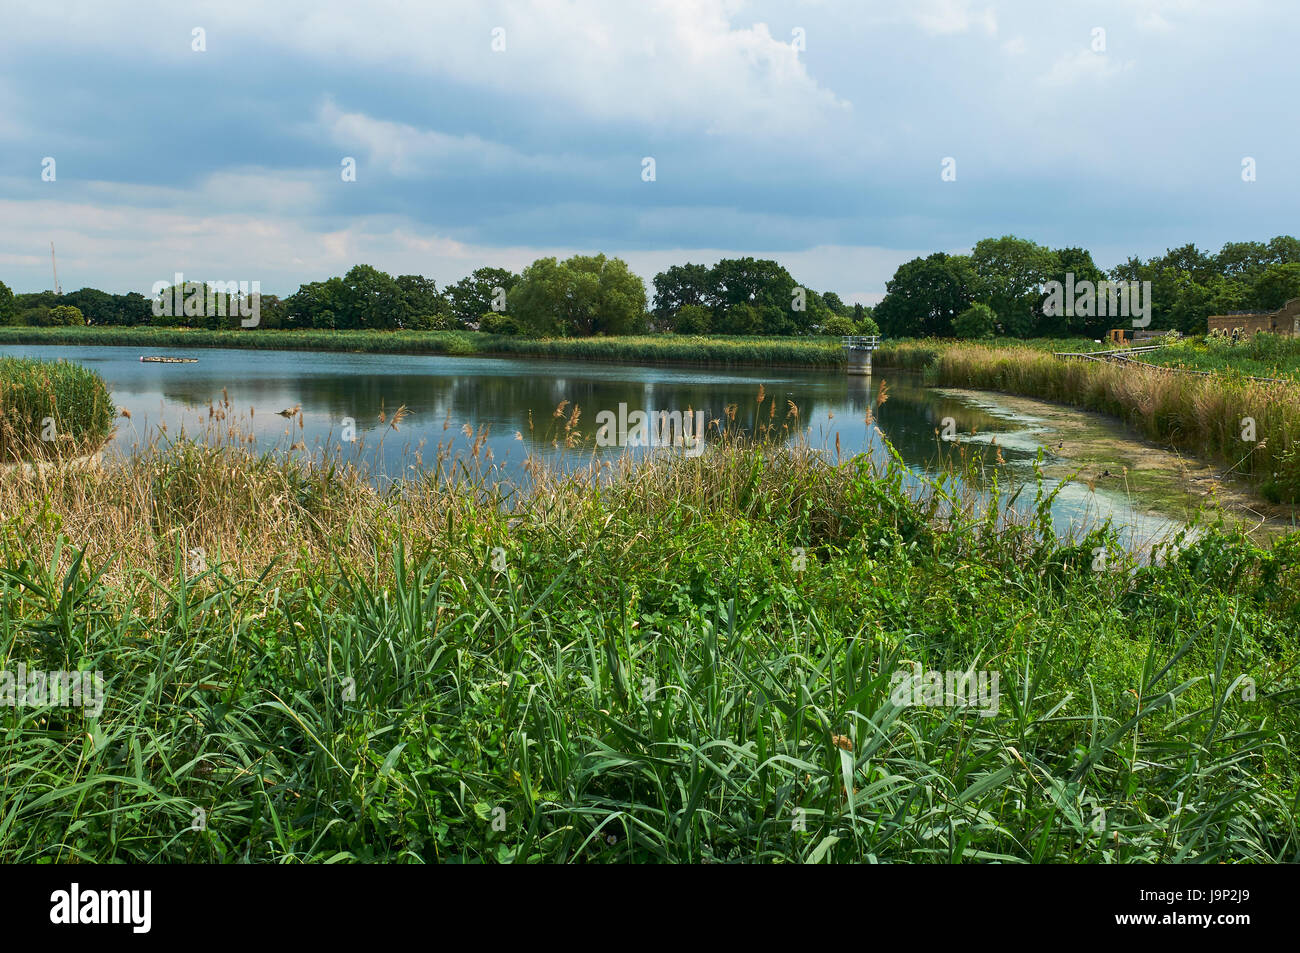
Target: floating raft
(170, 360)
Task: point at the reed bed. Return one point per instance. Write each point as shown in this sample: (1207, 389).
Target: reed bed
(51, 409)
(672, 660)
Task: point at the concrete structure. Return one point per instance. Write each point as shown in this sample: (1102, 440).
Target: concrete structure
(1285, 320)
(857, 352)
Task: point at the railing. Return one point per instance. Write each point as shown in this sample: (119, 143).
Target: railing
(860, 342)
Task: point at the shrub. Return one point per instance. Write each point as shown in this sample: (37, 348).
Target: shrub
(975, 322)
(51, 409)
(839, 326)
(67, 315)
(692, 319)
(496, 323)
(868, 325)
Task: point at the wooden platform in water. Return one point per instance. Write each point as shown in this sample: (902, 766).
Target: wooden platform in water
(170, 360)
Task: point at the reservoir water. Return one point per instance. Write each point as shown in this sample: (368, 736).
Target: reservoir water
(509, 405)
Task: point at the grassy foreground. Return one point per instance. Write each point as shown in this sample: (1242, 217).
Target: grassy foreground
(689, 661)
(659, 348)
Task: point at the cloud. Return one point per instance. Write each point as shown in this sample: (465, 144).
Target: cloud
(672, 63)
(952, 16)
(1085, 65)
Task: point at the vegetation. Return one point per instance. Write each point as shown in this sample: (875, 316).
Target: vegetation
(1252, 427)
(658, 348)
(976, 322)
(1257, 355)
(600, 296)
(696, 660)
(51, 409)
(1008, 274)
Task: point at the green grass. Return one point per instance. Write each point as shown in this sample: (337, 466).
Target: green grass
(51, 409)
(645, 672)
(1262, 355)
(918, 354)
(662, 348)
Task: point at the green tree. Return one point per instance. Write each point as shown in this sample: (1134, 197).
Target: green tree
(370, 298)
(1277, 285)
(679, 286)
(582, 296)
(317, 304)
(475, 295)
(8, 309)
(764, 286)
(924, 296)
(1010, 273)
(1077, 262)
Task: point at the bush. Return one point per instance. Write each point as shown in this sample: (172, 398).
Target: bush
(496, 323)
(692, 319)
(51, 409)
(975, 322)
(66, 315)
(839, 326)
(868, 325)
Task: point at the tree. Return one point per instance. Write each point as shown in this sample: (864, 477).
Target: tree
(680, 286)
(764, 286)
(8, 310)
(582, 296)
(924, 296)
(975, 322)
(422, 305)
(477, 293)
(1277, 285)
(370, 299)
(1010, 273)
(1077, 262)
(316, 304)
(836, 304)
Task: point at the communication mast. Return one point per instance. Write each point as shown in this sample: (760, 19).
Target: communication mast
(55, 262)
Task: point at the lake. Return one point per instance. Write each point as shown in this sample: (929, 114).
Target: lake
(509, 405)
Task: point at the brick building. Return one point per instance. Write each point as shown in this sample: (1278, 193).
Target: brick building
(1285, 320)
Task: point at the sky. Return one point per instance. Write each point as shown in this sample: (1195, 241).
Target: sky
(840, 137)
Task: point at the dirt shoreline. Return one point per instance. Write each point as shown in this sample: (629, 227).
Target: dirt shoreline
(1100, 452)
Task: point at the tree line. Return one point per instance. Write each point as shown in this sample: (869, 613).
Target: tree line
(997, 289)
(585, 295)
